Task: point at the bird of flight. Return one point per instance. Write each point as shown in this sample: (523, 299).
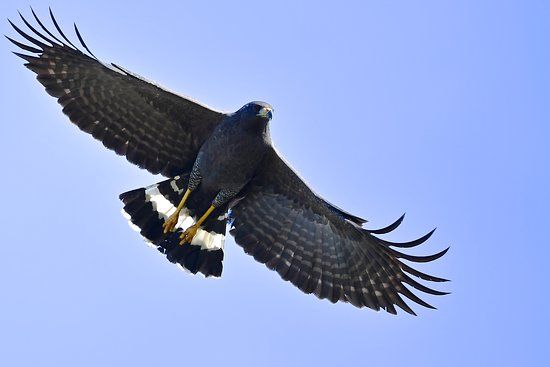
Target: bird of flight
(221, 170)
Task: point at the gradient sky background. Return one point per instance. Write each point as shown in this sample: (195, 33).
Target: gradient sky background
(439, 109)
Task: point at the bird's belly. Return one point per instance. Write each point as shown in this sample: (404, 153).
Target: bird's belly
(229, 167)
(223, 175)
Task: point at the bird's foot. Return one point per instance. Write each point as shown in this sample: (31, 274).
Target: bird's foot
(170, 223)
(187, 236)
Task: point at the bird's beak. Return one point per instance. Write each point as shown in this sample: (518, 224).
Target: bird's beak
(266, 112)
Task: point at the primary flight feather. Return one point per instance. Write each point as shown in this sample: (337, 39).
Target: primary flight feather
(221, 168)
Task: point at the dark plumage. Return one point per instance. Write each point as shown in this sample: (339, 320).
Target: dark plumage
(227, 162)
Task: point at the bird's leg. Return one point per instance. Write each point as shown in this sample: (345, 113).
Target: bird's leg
(187, 236)
(223, 197)
(195, 178)
(171, 222)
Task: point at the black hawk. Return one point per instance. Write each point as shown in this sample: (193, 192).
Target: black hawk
(221, 168)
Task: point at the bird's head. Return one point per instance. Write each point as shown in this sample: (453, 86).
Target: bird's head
(257, 111)
(254, 117)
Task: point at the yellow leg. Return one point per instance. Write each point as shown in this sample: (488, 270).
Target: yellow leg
(171, 222)
(187, 236)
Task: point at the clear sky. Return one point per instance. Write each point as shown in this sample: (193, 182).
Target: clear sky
(438, 109)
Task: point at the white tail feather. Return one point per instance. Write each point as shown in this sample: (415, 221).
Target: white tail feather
(206, 240)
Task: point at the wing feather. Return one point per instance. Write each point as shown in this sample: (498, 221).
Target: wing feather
(315, 245)
(156, 129)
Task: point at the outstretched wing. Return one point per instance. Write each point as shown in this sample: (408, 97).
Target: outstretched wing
(320, 248)
(154, 128)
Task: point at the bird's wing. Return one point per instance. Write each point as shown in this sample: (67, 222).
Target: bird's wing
(285, 225)
(154, 128)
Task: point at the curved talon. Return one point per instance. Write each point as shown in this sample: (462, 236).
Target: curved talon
(187, 236)
(170, 223)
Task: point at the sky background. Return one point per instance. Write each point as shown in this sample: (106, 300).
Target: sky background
(439, 109)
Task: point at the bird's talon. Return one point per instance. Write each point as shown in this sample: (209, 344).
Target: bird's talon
(187, 236)
(170, 224)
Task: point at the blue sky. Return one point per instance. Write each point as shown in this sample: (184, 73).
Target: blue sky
(439, 109)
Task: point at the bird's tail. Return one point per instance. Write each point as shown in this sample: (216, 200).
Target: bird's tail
(148, 208)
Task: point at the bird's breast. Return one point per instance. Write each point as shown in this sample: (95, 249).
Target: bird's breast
(229, 161)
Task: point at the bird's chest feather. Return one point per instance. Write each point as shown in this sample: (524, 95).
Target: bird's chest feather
(228, 159)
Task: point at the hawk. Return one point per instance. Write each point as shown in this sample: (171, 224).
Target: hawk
(222, 171)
